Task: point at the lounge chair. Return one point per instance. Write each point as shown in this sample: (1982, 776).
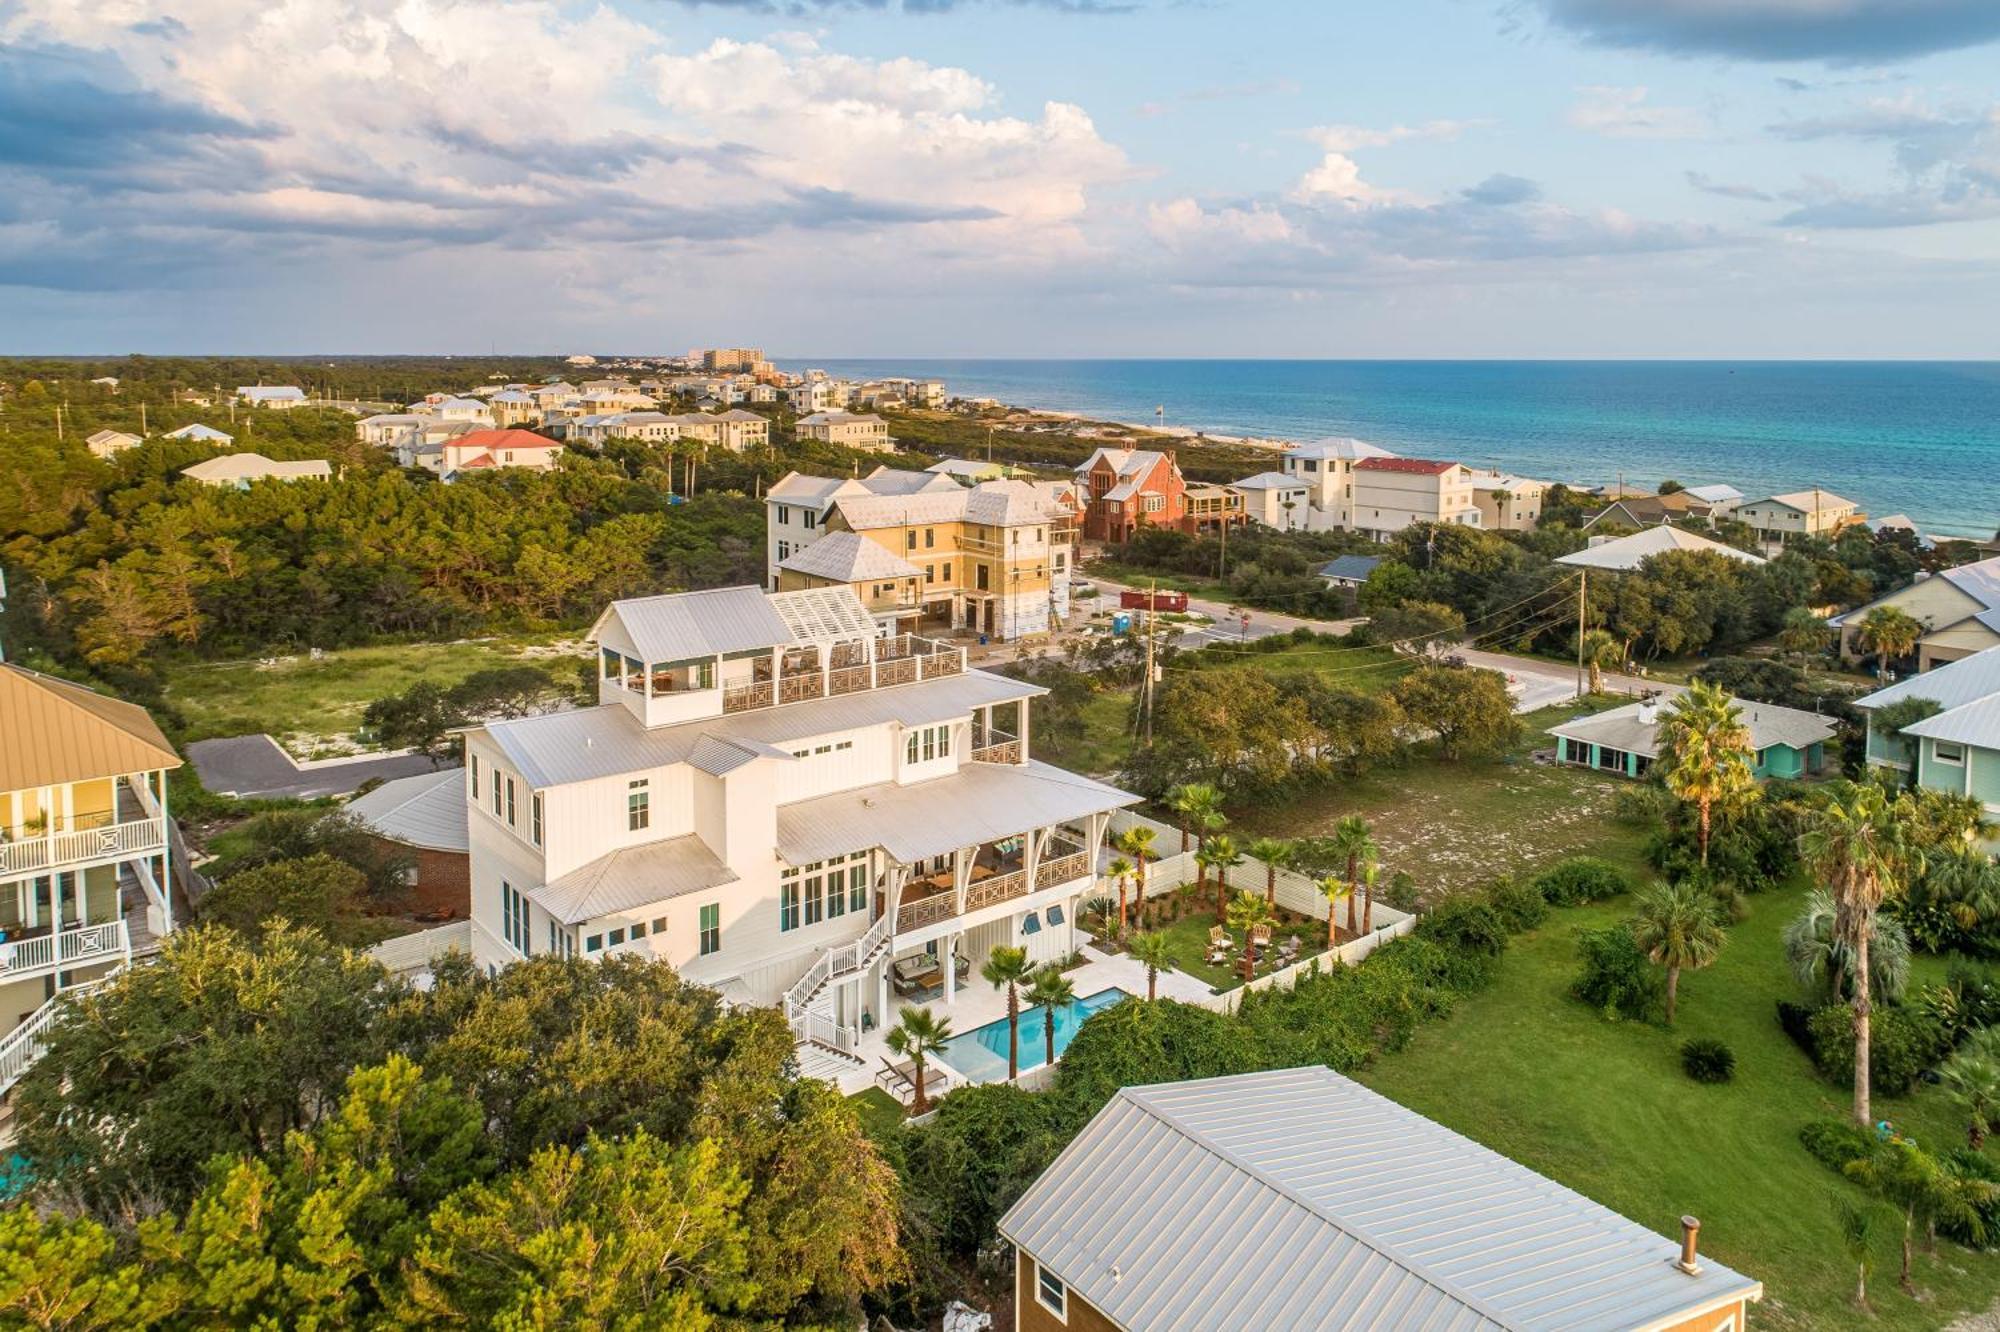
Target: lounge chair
(899, 1080)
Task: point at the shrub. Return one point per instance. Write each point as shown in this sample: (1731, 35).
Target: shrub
(1642, 806)
(1521, 906)
(1617, 979)
(1707, 1060)
(1835, 1142)
(1581, 880)
(1402, 892)
(1466, 925)
(1904, 1042)
(1796, 1020)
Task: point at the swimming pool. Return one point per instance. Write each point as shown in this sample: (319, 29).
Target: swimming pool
(981, 1054)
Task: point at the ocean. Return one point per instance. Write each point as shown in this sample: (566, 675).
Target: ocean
(1921, 438)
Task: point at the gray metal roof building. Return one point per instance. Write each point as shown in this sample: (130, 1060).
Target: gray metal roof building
(1299, 1199)
(427, 810)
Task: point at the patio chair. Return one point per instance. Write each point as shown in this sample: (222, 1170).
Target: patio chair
(1260, 936)
(1218, 938)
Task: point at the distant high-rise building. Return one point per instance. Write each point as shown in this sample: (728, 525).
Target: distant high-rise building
(731, 359)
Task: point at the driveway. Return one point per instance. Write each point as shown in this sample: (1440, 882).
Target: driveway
(254, 766)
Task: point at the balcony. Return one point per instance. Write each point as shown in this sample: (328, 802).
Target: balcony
(992, 884)
(109, 840)
(994, 746)
(849, 668)
(38, 954)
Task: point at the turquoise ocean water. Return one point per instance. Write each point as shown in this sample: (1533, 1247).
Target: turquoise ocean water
(1921, 438)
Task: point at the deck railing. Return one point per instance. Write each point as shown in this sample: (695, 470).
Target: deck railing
(69, 948)
(35, 854)
(746, 697)
(1062, 869)
(995, 747)
(926, 911)
(996, 889)
(898, 659)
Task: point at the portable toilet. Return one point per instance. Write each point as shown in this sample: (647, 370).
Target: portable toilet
(1121, 622)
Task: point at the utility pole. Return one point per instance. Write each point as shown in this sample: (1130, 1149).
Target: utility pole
(1152, 590)
(1222, 558)
(142, 420)
(1582, 581)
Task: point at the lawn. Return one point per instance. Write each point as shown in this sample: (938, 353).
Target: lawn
(1604, 1108)
(1210, 589)
(880, 1113)
(1106, 738)
(314, 704)
(1187, 939)
(1456, 826)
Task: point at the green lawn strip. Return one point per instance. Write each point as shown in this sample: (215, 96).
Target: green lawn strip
(1187, 941)
(1106, 739)
(1604, 1108)
(880, 1113)
(1132, 575)
(326, 697)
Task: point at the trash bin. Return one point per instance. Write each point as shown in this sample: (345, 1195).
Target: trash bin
(982, 640)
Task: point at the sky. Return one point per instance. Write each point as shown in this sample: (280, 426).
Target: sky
(1105, 178)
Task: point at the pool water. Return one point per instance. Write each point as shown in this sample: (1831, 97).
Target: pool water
(981, 1054)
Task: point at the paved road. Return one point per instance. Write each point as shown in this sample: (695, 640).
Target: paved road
(254, 765)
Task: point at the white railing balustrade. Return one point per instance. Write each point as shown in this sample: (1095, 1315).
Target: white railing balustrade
(69, 948)
(32, 854)
(21, 1047)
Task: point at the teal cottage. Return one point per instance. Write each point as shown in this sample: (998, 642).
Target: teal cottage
(1787, 742)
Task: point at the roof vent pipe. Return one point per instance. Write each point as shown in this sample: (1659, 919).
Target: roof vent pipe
(1690, 1230)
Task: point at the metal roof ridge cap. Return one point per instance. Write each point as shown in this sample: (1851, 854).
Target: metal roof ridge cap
(1420, 1271)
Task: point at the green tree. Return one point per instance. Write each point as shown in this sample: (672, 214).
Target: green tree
(1599, 649)
(1892, 720)
(1971, 1078)
(1247, 911)
(917, 1035)
(1676, 928)
(1049, 991)
(1137, 842)
(1803, 634)
(1919, 1186)
(1419, 628)
(419, 718)
(298, 834)
(1153, 952)
(1890, 633)
(1221, 856)
(1120, 870)
(1853, 842)
(1194, 804)
(1704, 755)
(318, 893)
(1818, 954)
(1006, 968)
(1857, 1234)
(624, 1232)
(1336, 890)
(1468, 709)
(1354, 842)
(1276, 853)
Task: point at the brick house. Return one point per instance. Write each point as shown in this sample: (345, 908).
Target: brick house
(424, 817)
(1126, 489)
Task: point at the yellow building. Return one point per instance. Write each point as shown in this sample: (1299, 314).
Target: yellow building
(993, 559)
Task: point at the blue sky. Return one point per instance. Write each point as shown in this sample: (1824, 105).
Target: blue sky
(1727, 178)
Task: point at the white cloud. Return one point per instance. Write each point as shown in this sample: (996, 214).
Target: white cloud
(1338, 178)
(1348, 138)
(1623, 113)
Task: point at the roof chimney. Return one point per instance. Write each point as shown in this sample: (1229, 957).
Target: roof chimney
(1690, 1230)
(1649, 709)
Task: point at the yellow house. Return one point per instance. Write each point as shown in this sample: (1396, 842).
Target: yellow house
(83, 846)
(993, 559)
(1959, 609)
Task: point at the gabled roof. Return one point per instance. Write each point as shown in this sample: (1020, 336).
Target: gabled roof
(1623, 728)
(52, 731)
(1338, 447)
(497, 440)
(210, 433)
(1269, 481)
(281, 392)
(1952, 685)
(1976, 723)
(427, 810)
(681, 625)
(1010, 503)
(1979, 580)
(1128, 463)
(256, 467)
(1299, 1199)
(1805, 501)
(1715, 494)
(847, 558)
(633, 877)
(112, 437)
(1623, 554)
(1357, 567)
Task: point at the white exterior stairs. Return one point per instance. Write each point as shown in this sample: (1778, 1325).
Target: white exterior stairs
(21, 1047)
(811, 1022)
(825, 1062)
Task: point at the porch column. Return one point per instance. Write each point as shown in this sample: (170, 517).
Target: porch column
(961, 876)
(949, 956)
(1031, 859)
(1021, 711)
(882, 994)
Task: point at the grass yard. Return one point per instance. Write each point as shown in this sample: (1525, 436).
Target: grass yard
(1210, 589)
(1187, 938)
(1456, 826)
(1604, 1108)
(880, 1113)
(315, 704)
(1106, 739)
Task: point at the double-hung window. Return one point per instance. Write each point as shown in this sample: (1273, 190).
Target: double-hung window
(857, 886)
(510, 802)
(514, 918)
(475, 776)
(638, 806)
(711, 929)
(535, 818)
(788, 903)
(1050, 1292)
(815, 889)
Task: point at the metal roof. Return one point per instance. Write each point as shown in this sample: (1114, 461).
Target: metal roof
(1357, 567)
(1970, 724)
(1300, 1199)
(255, 467)
(981, 802)
(1951, 685)
(862, 512)
(681, 625)
(633, 877)
(200, 431)
(1010, 503)
(847, 558)
(1128, 463)
(427, 810)
(1622, 729)
(1339, 447)
(1715, 494)
(561, 747)
(1623, 554)
(52, 731)
(1269, 481)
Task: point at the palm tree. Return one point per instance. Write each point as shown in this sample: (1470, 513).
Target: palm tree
(1005, 968)
(1857, 1232)
(1370, 873)
(1818, 955)
(1336, 890)
(1676, 927)
(1221, 856)
(1152, 952)
(1246, 912)
(1051, 990)
(1598, 650)
(1889, 631)
(1352, 841)
(1120, 869)
(919, 1034)
(1705, 750)
(1923, 1189)
(1137, 842)
(1972, 1079)
(1853, 842)
(1277, 854)
(1802, 633)
(1194, 802)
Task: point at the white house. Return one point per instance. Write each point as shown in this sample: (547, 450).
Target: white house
(1275, 499)
(784, 805)
(206, 434)
(1326, 466)
(1777, 519)
(1392, 493)
(278, 397)
(796, 505)
(110, 443)
(238, 470)
(863, 431)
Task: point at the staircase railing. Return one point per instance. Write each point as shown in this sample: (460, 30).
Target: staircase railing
(844, 960)
(21, 1047)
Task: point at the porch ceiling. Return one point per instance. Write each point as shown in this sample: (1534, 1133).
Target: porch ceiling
(980, 803)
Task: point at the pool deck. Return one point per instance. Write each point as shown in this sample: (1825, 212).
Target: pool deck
(978, 1003)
